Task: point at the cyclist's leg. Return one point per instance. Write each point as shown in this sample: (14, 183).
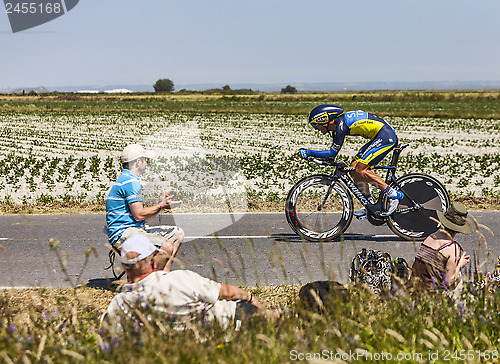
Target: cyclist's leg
(370, 155)
(363, 176)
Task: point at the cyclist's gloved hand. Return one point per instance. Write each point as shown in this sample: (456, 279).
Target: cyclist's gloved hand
(303, 153)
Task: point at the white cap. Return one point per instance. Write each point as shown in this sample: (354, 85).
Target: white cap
(137, 244)
(135, 151)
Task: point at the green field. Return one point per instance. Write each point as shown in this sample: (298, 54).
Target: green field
(450, 104)
(61, 150)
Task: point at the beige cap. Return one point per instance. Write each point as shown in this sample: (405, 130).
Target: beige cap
(135, 151)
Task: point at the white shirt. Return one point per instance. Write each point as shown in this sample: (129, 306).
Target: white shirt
(180, 295)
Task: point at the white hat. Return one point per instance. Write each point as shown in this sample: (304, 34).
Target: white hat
(137, 244)
(135, 151)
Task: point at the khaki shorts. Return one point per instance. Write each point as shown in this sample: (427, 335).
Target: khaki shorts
(156, 234)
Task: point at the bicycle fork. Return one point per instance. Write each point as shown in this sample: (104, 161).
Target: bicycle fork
(327, 194)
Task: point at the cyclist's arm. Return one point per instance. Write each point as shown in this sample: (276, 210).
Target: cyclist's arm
(330, 153)
(338, 140)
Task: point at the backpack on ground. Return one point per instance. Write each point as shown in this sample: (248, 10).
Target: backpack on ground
(322, 296)
(376, 270)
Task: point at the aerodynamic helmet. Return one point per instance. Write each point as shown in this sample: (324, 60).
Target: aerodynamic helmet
(323, 114)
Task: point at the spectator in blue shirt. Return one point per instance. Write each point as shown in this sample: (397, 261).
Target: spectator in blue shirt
(127, 216)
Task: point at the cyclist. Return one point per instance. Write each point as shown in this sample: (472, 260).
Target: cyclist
(338, 124)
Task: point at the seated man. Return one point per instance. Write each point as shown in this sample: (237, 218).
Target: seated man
(181, 294)
(126, 215)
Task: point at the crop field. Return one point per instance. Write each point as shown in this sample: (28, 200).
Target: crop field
(74, 156)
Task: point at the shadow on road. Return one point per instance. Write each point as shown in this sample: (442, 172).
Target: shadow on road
(104, 283)
(293, 238)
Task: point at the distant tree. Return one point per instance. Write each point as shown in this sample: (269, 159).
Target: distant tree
(226, 88)
(289, 90)
(164, 85)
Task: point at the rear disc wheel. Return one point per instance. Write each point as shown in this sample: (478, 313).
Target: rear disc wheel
(430, 194)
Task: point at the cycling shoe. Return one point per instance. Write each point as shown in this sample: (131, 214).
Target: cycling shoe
(393, 203)
(360, 214)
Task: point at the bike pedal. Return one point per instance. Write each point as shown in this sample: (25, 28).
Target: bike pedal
(363, 217)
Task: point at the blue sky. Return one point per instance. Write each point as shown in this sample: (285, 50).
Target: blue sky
(102, 42)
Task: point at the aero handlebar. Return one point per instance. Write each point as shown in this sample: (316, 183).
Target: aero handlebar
(327, 162)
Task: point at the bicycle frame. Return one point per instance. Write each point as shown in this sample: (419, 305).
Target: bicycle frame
(320, 207)
(342, 173)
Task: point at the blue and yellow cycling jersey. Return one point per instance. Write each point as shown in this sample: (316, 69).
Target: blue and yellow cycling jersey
(360, 123)
(356, 123)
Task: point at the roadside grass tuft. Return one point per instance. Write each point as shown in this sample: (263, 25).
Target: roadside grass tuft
(254, 204)
(45, 325)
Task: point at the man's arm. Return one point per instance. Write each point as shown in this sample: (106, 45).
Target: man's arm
(233, 293)
(329, 153)
(140, 212)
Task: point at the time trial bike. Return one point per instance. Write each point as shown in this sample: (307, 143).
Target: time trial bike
(320, 207)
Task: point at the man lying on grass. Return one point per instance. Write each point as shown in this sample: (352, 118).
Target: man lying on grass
(180, 295)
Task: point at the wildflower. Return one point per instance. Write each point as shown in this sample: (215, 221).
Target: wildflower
(62, 326)
(115, 341)
(103, 346)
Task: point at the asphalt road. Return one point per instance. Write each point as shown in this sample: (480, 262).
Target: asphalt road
(250, 249)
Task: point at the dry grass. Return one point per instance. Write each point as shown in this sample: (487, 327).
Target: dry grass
(61, 326)
(86, 300)
(254, 205)
(26, 301)
(479, 203)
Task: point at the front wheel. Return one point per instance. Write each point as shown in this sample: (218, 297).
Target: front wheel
(319, 208)
(431, 195)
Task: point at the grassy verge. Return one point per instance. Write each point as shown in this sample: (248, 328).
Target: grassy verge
(63, 326)
(254, 205)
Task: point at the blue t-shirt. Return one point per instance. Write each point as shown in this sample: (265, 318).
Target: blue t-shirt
(127, 189)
